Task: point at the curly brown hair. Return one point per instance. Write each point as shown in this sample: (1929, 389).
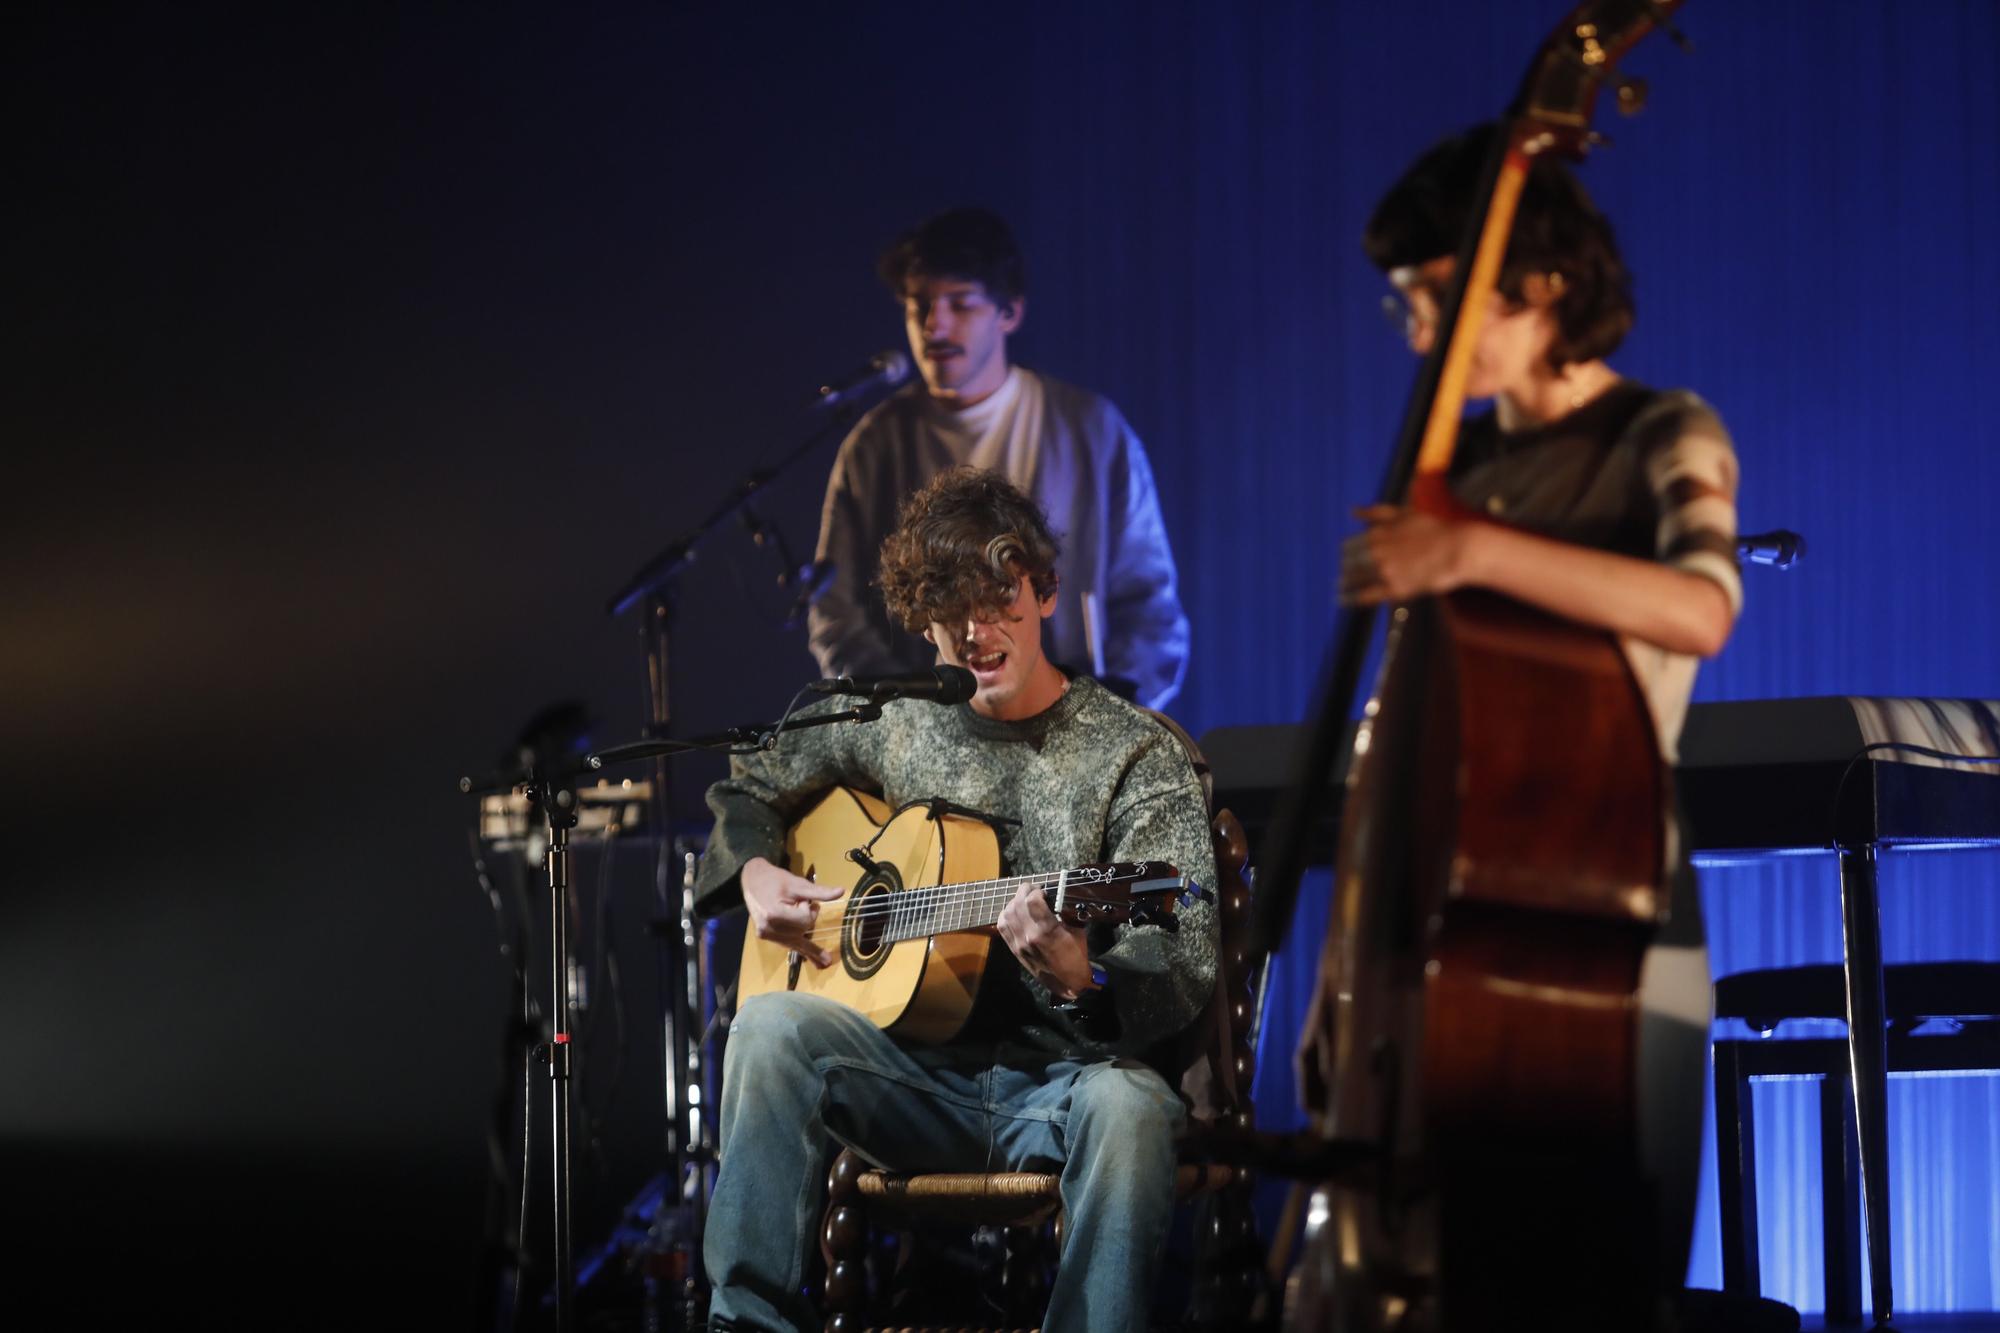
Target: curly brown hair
(960, 547)
(1558, 231)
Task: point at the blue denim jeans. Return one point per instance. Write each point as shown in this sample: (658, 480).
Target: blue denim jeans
(802, 1071)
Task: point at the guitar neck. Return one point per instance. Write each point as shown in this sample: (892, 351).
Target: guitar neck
(973, 905)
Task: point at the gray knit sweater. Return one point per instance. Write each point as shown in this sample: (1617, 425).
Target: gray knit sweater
(1089, 779)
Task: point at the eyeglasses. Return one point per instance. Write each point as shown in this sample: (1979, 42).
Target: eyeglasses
(1403, 318)
(1409, 320)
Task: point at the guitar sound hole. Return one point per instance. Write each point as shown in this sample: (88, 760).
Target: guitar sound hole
(864, 943)
(870, 928)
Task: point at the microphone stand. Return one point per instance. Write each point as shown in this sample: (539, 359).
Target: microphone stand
(552, 790)
(730, 738)
(689, 1141)
(676, 555)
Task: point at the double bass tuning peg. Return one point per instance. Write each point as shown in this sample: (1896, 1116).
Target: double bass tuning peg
(1663, 20)
(1631, 95)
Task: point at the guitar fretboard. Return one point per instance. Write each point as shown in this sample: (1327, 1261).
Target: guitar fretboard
(918, 913)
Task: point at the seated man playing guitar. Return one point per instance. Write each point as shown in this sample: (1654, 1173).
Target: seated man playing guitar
(1063, 1063)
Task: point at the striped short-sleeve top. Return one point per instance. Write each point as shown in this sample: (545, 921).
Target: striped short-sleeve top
(1643, 472)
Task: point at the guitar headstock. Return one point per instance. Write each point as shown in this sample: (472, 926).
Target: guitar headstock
(1560, 91)
(1144, 893)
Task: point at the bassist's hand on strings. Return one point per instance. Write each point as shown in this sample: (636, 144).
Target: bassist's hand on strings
(1054, 954)
(785, 907)
(1401, 554)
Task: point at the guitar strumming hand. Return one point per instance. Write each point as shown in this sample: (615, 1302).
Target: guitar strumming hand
(1054, 954)
(784, 907)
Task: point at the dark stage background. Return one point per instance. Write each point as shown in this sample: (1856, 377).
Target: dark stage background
(355, 356)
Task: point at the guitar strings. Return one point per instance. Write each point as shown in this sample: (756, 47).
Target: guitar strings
(979, 891)
(911, 906)
(915, 905)
(989, 890)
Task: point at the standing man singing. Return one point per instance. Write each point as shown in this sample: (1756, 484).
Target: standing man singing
(963, 286)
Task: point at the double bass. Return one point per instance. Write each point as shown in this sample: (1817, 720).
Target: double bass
(1506, 850)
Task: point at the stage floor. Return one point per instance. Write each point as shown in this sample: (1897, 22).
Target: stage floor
(1964, 1322)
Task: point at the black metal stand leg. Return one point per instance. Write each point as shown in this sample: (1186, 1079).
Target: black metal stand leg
(695, 997)
(1868, 1058)
(548, 783)
(1736, 1173)
(1840, 1194)
(657, 631)
(559, 1067)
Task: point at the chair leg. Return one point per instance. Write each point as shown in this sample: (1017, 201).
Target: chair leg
(844, 1246)
(1868, 1059)
(1840, 1199)
(1024, 1281)
(1228, 1260)
(1736, 1172)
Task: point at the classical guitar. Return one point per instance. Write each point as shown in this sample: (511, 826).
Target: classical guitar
(912, 934)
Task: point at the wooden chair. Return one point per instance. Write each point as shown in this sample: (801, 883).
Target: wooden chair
(1026, 1207)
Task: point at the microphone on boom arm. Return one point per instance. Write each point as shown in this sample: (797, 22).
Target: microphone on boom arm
(1781, 548)
(939, 684)
(885, 370)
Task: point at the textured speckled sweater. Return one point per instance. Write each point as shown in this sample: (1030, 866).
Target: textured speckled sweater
(1089, 779)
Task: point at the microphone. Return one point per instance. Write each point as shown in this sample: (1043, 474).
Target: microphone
(940, 684)
(885, 370)
(1781, 549)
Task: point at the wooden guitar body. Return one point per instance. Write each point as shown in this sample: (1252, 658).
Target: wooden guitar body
(912, 934)
(921, 988)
